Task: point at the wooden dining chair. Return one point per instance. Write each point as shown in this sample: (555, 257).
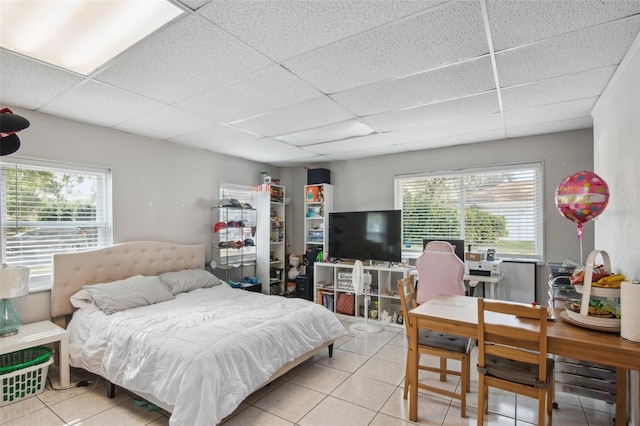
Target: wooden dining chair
(440, 345)
(513, 356)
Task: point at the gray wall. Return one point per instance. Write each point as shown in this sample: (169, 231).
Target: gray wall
(617, 156)
(367, 183)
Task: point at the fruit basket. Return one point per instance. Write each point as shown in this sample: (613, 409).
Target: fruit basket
(599, 308)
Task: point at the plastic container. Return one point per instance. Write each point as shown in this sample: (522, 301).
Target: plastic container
(560, 269)
(560, 273)
(24, 373)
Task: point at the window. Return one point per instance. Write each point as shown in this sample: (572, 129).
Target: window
(494, 207)
(242, 193)
(50, 208)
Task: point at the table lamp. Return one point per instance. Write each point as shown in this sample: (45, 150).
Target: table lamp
(14, 282)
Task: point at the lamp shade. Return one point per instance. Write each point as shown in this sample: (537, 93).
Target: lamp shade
(14, 281)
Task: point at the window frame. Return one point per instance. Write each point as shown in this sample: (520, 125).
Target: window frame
(537, 204)
(103, 220)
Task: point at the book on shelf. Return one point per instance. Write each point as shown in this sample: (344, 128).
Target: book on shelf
(326, 299)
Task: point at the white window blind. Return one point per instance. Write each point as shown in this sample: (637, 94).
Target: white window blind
(49, 208)
(496, 207)
(242, 193)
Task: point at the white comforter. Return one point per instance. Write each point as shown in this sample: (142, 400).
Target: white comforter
(204, 352)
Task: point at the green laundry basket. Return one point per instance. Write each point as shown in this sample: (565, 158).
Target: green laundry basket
(23, 373)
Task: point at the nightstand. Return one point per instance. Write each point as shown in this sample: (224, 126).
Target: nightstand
(41, 333)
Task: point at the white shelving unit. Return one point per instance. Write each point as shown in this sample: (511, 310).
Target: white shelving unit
(332, 279)
(318, 203)
(271, 248)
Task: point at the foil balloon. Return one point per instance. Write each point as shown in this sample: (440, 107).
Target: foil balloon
(581, 197)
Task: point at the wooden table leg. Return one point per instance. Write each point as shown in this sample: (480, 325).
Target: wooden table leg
(413, 371)
(621, 396)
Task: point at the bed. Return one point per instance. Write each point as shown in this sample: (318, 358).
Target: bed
(197, 353)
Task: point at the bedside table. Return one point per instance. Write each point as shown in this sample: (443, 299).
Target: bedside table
(41, 333)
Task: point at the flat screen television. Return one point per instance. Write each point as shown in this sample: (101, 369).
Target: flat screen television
(458, 246)
(366, 235)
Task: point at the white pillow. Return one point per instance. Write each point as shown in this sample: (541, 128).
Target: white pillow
(189, 279)
(82, 300)
(130, 293)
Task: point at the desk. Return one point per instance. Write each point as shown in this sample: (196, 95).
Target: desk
(484, 279)
(468, 277)
(41, 333)
(459, 315)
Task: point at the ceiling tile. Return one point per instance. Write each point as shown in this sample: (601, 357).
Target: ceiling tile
(549, 113)
(314, 113)
(472, 106)
(216, 136)
(301, 162)
(352, 144)
(474, 137)
(460, 127)
(266, 145)
(30, 84)
(462, 79)
(393, 139)
(553, 90)
(182, 60)
(550, 127)
(443, 35)
(281, 31)
(293, 154)
(252, 150)
(363, 153)
(264, 91)
(570, 53)
(330, 132)
(100, 104)
(518, 22)
(167, 123)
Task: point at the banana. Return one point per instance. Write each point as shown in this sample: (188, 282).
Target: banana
(610, 281)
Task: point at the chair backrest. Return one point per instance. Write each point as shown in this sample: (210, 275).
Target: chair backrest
(440, 271)
(509, 338)
(406, 288)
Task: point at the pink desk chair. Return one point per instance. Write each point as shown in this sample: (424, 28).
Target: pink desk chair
(440, 271)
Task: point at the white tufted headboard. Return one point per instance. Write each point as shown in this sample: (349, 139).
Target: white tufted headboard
(72, 271)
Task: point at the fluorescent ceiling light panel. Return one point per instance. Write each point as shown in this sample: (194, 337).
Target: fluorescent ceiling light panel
(79, 35)
(331, 132)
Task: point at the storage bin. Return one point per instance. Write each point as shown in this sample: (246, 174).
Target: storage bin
(24, 373)
(317, 176)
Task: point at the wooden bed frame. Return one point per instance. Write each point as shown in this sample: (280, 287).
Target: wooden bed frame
(72, 271)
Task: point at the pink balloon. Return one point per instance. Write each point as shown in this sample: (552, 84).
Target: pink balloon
(581, 197)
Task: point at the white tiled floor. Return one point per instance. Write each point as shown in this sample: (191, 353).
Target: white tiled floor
(361, 385)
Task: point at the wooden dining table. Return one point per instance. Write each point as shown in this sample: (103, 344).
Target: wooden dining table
(459, 315)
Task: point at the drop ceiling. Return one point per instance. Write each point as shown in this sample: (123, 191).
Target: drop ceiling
(297, 82)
